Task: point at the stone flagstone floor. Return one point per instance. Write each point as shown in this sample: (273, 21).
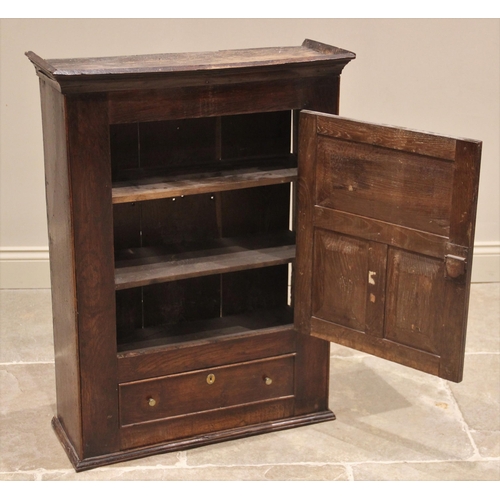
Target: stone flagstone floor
(393, 423)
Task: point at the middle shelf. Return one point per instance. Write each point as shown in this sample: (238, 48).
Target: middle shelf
(222, 176)
(136, 267)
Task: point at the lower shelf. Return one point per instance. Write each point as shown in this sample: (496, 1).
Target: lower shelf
(195, 331)
(146, 266)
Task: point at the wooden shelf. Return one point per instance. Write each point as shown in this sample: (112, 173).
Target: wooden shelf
(209, 180)
(204, 330)
(146, 266)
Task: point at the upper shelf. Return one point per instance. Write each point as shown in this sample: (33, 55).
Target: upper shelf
(208, 181)
(150, 71)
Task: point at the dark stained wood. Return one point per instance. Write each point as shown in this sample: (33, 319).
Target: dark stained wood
(400, 188)
(186, 69)
(62, 266)
(189, 392)
(255, 290)
(201, 325)
(146, 266)
(200, 426)
(232, 418)
(397, 138)
(311, 386)
(465, 192)
(243, 345)
(387, 226)
(207, 182)
(255, 135)
(183, 152)
(340, 279)
(124, 147)
(169, 144)
(178, 302)
(379, 231)
(207, 101)
(325, 97)
(382, 348)
(180, 220)
(375, 296)
(192, 152)
(263, 209)
(304, 224)
(126, 226)
(414, 279)
(90, 177)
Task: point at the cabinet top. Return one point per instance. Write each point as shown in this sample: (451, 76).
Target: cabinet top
(180, 69)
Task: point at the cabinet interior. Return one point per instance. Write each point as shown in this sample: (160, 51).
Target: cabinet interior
(203, 227)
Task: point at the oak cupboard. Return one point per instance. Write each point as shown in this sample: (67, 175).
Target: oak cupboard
(214, 225)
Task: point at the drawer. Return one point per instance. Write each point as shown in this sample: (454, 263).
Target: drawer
(202, 390)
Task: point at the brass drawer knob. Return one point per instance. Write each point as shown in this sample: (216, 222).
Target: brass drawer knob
(268, 380)
(151, 402)
(210, 379)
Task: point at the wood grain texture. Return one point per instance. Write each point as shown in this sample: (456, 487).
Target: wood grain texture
(244, 345)
(312, 385)
(340, 272)
(405, 189)
(189, 392)
(207, 182)
(158, 445)
(390, 209)
(382, 232)
(90, 177)
(62, 267)
(376, 346)
(411, 141)
(465, 193)
(210, 100)
(185, 61)
(144, 124)
(146, 266)
(305, 201)
(143, 71)
(197, 426)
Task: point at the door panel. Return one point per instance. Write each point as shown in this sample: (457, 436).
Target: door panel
(394, 186)
(385, 229)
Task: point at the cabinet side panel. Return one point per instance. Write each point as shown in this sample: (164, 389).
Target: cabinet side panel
(90, 169)
(312, 371)
(62, 271)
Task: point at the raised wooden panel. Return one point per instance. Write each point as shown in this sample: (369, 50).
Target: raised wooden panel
(340, 285)
(349, 283)
(416, 284)
(385, 184)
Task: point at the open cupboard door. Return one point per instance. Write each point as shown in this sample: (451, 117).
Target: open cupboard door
(385, 231)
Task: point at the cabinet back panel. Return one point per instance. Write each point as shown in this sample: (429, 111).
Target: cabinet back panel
(255, 289)
(124, 146)
(259, 134)
(169, 144)
(255, 210)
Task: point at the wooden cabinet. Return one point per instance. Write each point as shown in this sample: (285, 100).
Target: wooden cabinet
(213, 225)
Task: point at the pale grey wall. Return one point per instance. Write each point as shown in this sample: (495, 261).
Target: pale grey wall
(434, 75)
